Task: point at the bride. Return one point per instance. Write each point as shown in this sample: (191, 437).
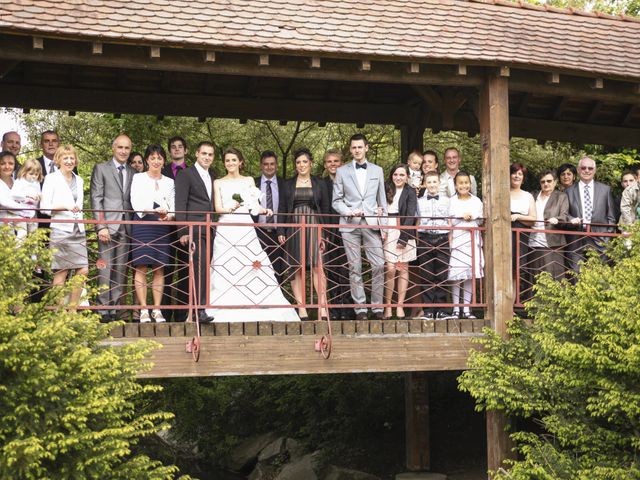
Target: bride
(241, 273)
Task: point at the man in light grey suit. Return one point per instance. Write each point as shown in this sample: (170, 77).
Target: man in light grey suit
(590, 205)
(111, 200)
(359, 197)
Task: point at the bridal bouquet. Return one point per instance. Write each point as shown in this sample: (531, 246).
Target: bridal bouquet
(252, 203)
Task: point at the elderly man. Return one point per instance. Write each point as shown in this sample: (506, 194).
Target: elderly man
(590, 209)
(111, 200)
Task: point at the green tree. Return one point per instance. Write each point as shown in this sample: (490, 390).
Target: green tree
(572, 374)
(66, 398)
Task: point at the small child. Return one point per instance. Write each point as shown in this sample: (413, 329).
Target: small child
(27, 192)
(433, 246)
(466, 262)
(414, 161)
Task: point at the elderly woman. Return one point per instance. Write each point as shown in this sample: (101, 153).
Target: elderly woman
(552, 209)
(62, 196)
(7, 170)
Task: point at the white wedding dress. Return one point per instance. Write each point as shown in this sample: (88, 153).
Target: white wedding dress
(241, 272)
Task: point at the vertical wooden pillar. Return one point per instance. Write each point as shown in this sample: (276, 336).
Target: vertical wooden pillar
(416, 395)
(411, 138)
(494, 136)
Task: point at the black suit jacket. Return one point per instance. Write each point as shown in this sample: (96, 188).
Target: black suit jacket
(603, 209)
(321, 202)
(192, 201)
(407, 205)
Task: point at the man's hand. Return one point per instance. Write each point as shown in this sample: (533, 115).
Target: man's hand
(103, 235)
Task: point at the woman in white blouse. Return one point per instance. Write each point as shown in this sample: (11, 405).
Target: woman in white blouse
(152, 198)
(523, 215)
(62, 197)
(7, 169)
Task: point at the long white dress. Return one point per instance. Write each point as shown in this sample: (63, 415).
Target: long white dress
(461, 245)
(241, 273)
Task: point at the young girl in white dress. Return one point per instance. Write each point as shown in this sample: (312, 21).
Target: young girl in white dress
(242, 276)
(466, 262)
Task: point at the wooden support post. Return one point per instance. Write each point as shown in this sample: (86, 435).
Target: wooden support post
(494, 138)
(416, 394)
(411, 138)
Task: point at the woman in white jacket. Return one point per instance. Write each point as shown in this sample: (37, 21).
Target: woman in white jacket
(62, 199)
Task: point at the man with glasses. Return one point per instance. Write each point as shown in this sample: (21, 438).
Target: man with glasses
(591, 209)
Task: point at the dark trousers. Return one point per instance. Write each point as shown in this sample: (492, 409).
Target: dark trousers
(201, 263)
(176, 280)
(269, 240)
(335, 263)
(433, 262)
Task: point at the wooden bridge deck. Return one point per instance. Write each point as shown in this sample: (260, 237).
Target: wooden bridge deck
(267, 348)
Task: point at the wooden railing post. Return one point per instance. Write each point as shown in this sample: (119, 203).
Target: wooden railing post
(494, 137)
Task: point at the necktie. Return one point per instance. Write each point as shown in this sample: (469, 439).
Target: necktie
(433, 197)
(588, 207)
(121, 175)
(269, 201)
(364, 165)
(52, 167)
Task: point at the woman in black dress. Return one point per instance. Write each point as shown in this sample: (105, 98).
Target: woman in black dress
(304, 197)
(153, 199)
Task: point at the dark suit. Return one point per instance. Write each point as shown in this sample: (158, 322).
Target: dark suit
(194, 205)
(268, 235)
(176, 291)
(336, 262)
(603, 213)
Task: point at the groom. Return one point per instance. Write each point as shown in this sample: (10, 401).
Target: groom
(359, 197)
(194, 202)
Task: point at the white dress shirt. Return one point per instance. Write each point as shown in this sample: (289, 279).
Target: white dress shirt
(47, 165)
(361, 176)
(117, 164)
(206, 178)
(581, 186)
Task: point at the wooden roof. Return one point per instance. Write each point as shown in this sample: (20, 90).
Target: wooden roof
(477, 31)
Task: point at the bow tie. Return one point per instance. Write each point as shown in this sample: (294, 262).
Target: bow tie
(364, 165)
(433, 197)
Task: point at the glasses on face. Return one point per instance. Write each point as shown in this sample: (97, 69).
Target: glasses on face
(587, 168)
(542, 182)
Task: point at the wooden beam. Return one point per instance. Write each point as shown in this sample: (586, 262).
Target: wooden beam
(416, 395)
(365, 65)
(578, 133)
(316, 62)
(15, 47)
(159, 103)
(461, 70)
(626, 117)
(38, 43)
(553, 78)
(522, 108)
(557, 112)
(430, 96)
(597, 83)
(7, 67)
(154, 52)
(209, 56)
(96, 48)
(263, 60)
(504, 71)
(494, 139)
(253, 355)
(595, 111)
(414, 67)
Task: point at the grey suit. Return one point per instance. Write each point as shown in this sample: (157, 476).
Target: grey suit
(603, 214)
(348, 197)
(112, 201)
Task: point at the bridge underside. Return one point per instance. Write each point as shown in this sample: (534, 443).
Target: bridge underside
(266, 348)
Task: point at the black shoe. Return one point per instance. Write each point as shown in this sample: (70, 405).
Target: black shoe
(429, 316)
(378, 315)
(203, 317)
(443, 316)
(361, 316)
(106, 318)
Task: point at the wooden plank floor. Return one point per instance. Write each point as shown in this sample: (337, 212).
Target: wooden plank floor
(268, 348)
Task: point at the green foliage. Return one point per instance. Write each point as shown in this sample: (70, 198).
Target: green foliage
(66, 398)
(575, 370)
